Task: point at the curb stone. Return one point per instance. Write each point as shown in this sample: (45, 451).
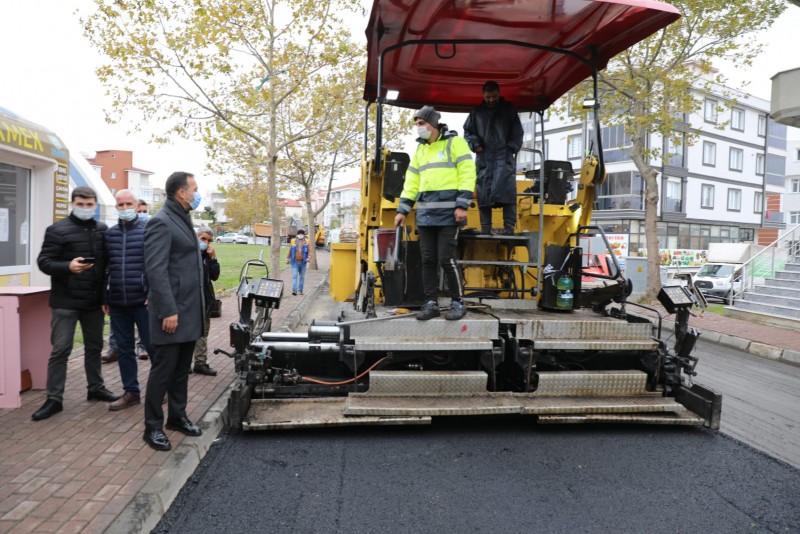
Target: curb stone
(150, 504)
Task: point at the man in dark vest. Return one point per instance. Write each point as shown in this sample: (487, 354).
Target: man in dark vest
(73, 255)
(175, 308)
(494, 132)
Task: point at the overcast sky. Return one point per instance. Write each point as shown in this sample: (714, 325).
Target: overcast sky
(47, 76)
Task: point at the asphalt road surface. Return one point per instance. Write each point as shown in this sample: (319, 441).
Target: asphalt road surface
(509, 475)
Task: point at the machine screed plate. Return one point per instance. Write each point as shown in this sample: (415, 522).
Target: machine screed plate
(276, 414)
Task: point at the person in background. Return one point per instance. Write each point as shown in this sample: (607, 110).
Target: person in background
(175, 308)
(112, 355)
(211, 271)
(298, 258)
(440, 180)
(142, 210)
(73, 255)
(494, 132)
(125, 296)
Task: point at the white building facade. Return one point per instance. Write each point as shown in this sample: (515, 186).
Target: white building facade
(342, 209)
(726, 187)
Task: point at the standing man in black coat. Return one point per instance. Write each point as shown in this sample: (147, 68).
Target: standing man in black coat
(175, 308)
(494, 132)
(73, 255)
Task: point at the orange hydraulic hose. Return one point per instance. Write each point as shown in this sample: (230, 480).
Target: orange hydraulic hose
(343, 382)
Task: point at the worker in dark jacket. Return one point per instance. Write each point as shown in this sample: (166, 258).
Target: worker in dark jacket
(73, 255)
(125, 295)
(494, 132)
(175, 308)
(211, 272)
(440, 180)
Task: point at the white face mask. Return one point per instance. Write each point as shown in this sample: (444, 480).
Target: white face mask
(424, 132)
(83, 214)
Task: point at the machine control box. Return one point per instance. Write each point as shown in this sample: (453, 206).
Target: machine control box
(675, 297)
(264, 291)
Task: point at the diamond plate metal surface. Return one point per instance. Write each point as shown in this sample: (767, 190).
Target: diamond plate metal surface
(612, 329)
(570, 344)
(304, 413)
(475, 328)
(425, 383)
(591, 383)
(654, 419)
(430, 406)
(416, 344)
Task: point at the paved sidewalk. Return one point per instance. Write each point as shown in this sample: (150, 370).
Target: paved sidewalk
(88, 470)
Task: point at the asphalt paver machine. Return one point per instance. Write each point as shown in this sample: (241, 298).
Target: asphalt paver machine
(534, 341)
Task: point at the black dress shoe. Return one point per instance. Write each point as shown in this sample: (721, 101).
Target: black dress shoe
(204, 369)
(50, 407)
(157, 440)
(102, 394)
(184, 426)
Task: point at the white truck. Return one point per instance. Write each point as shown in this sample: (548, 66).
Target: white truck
(721, 276)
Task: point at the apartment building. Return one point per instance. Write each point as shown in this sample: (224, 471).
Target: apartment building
(727, 186)
(117, 170)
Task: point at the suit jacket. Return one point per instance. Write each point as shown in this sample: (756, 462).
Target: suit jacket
(175, 272)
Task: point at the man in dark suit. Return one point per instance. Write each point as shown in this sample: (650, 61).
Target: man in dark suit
(175, 308)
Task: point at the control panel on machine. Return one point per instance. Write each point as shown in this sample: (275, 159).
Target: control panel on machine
(675, 297)
(264, 291)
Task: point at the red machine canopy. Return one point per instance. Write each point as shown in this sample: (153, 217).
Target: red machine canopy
(450, 76)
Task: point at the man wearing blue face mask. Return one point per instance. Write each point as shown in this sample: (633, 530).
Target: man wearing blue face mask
(175, 308)
(125, 295)
(211, 270)
(73, 254)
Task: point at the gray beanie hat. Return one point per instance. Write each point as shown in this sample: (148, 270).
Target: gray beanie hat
(429, 115)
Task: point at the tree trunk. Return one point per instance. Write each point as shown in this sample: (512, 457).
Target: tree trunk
(312, 233)
(272, 179)
(651, 198)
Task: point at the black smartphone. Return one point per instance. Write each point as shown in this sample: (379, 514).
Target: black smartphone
(87, 260)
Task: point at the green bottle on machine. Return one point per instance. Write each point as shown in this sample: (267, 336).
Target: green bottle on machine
(564, 297)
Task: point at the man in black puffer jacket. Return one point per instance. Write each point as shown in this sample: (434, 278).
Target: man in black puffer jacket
(125, 296)
(73, 255)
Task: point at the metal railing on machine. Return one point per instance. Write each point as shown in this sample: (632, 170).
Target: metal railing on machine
(774, 257)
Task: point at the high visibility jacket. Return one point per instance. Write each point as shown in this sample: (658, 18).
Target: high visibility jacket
(440, 178)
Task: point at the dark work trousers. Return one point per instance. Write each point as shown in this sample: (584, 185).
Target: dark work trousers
(62, 335)
(169, 373)
(509, 217)
(123, 321)
(437, 245)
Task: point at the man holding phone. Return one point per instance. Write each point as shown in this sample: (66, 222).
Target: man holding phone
(72, 254)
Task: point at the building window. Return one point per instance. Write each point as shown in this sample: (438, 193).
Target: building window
(762, 125)
(794, 217)
(574, 146)
(797, 155)
(735, 157)
(758, 202)
(113, 191)
(113, 175)
(710, 110)
(15, 237)
(707, 196)
(675, 143)
(795, 185)
(734, 200)
(621, 191)
(709, 153)
(760, 164)
(737, 119)
(674, 195)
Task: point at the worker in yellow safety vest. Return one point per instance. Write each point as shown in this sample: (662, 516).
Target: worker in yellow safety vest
(440, 180)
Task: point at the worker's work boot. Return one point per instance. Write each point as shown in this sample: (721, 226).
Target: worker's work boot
(428, 311)
(457, 310)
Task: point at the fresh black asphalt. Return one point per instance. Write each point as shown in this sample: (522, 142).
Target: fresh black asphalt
(487, 475)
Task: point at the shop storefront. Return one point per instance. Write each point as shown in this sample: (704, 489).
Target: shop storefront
(35, 183)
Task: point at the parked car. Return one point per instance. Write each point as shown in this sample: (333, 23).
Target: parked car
(232, 237)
